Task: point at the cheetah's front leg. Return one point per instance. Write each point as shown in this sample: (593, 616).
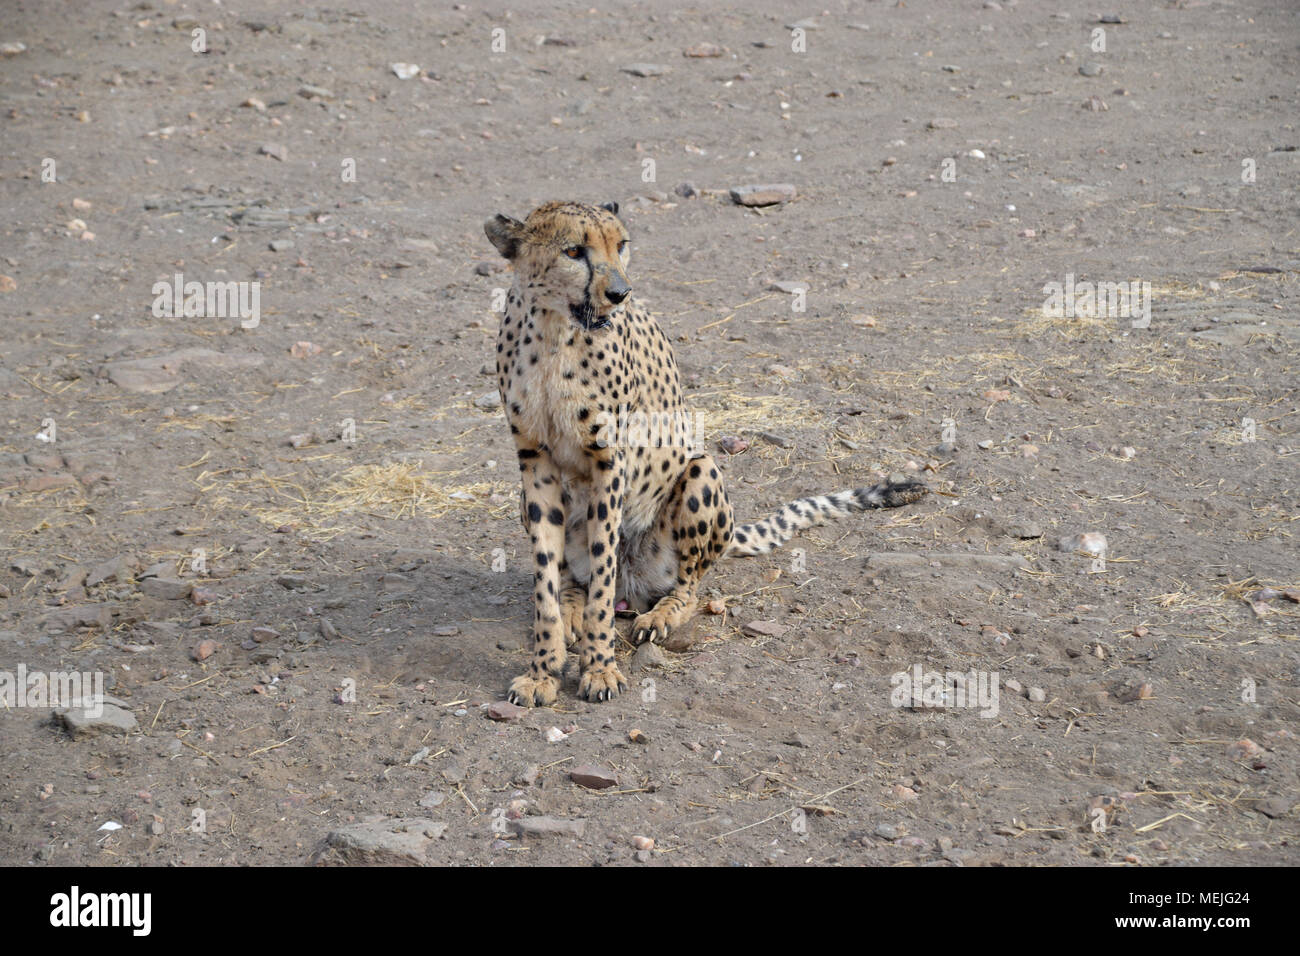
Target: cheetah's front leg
(543, 508)
(601, 678)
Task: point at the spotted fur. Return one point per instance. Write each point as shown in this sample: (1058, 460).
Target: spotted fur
(611, 521)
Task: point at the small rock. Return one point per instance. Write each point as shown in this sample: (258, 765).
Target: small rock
(942, 122)
(1274, 807)
(203, 650)
(1244, 749)
(1091, 69)
(405, 71)
(1037, 695)
(488, 401)
(275, 151)
(398, 842)
(549, 826)
(1140, 691)
(284, 245)
(732, 445)
(765, 629)
(107, 718)
(202, 596)
(504, 710)
(763, 195)
(648, 654)
(645, 69)
(166, 589)
(1092, 542)
(596, 778)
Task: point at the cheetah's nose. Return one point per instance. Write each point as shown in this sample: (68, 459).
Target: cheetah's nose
(617, 290)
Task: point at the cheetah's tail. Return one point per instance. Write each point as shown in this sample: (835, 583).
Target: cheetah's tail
(763, 536)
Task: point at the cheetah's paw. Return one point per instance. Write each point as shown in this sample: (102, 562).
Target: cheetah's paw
(527, 691)
(601, 682)
(651, 626)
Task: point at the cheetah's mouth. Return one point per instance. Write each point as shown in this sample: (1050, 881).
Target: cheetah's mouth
(585, 314)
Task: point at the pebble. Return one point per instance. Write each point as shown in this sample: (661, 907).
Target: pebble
(1244, 749)
(1274, 807)
(204, 649)
(167, 589)
(554, 735)
(732, 445)
(549, 826)
(488, 400)
(282, 245)
(596, 778)
(433, 798)
(1037, 695)
(404, 71)
(275, 151)
(886, 831)
(317, 92)
(703, 50)
(763, 195)
(1091, 69)
(686, 190)
(646, 69)
(1140, 691)
(942, 122)
(1092, 542)
(504, 710)
(648, 654)
(1025, 530)
(765, 629)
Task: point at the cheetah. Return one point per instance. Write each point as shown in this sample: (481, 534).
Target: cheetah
(612, 524)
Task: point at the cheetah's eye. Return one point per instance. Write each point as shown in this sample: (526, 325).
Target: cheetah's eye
(622, 247)
(574, 252)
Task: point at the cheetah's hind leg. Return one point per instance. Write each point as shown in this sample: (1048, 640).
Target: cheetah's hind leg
(697, 520)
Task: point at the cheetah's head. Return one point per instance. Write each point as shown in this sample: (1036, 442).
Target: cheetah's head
(571, 256)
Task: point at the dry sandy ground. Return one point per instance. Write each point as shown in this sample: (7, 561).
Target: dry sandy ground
(335, 476)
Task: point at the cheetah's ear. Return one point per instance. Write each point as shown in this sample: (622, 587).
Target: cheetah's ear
(611, 206)
(504, 233)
